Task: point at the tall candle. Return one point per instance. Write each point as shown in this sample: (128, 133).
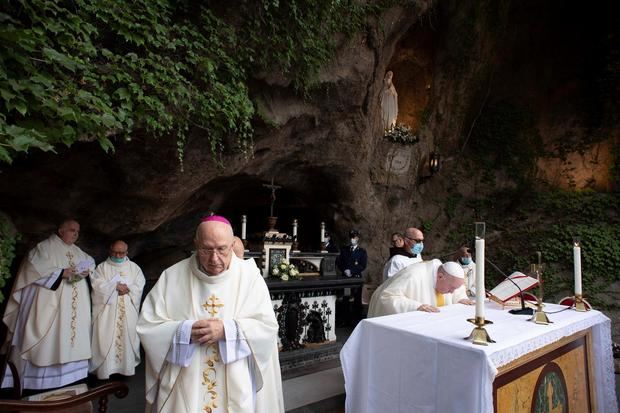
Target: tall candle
(577, 264)
(322, 231)
(294, 228)
(244, 221)
(480, 292)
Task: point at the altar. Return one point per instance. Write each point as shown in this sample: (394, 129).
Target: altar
(420, 362)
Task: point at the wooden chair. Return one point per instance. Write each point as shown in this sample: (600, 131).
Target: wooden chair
(68, 404)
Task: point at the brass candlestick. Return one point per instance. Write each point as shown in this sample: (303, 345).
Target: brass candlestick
(323, 247)
(539, 317)
(580, 303)
(479, 334)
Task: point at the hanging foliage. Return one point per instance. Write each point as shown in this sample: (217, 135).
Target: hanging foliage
(101, 70)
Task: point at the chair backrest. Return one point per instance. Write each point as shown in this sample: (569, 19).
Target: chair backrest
(100, 393)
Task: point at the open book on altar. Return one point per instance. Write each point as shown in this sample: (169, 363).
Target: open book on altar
(506, 290)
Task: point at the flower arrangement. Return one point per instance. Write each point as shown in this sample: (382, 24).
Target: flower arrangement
(401, 134)
(284, 271)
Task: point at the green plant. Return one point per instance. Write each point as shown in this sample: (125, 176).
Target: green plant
(7, 251)
(101, 71)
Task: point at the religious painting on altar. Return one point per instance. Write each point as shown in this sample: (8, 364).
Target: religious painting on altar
(276, 255)
(556, 379)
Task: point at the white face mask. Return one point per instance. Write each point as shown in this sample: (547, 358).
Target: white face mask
(354, 241)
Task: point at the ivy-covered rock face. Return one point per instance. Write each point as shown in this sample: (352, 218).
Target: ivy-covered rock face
(99, 70)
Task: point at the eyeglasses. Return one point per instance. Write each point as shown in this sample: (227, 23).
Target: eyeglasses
(415, 240)
(219, 251)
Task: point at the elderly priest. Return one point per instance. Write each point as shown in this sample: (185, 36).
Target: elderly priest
(210, 333)
(424, 286)
(48, 313)
(117, 290)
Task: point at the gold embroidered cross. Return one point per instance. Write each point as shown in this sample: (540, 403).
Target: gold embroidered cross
(70, 258)
(211, 305)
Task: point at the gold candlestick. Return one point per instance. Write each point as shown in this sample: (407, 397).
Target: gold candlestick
(479, 334)
(539, 317)
(580, 303)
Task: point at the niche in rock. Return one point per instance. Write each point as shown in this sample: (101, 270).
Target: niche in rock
(412, 66)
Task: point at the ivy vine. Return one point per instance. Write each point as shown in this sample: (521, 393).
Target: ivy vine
(8, 238)
(103, 70)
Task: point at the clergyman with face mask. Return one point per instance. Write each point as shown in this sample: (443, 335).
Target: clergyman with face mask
(353, 258)
(117, 292)
(411, 253)
(463, 257)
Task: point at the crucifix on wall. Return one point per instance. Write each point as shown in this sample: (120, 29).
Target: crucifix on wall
(273, 194)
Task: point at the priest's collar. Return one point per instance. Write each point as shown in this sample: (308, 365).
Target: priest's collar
(202, 275)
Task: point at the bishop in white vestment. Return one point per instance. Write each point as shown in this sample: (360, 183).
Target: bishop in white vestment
(48, 313)
(210, 333)
(117, 290)
(424, 286)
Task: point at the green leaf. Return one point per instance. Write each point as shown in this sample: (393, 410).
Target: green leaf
(60, 58)
(4, 155)
(21, 107)
(106, 145)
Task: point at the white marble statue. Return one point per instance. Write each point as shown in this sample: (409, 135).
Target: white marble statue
(389, 102)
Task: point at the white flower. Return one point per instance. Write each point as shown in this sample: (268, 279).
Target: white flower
(284, 277)
(275, 271)
(293, 272)
(283, 266)
(284, 262)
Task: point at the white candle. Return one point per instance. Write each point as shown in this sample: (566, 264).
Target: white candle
(480, 292)
(322, 231)
(294, 228)
(577, 264)
(244, 221)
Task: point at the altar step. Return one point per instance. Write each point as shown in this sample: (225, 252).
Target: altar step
(312, 380)
(320, 392)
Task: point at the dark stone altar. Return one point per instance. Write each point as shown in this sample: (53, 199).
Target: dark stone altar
(306, 309)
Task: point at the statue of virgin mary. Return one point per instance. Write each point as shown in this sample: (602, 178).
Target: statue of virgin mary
(389, 102)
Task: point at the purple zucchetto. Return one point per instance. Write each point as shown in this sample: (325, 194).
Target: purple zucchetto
(217, 218)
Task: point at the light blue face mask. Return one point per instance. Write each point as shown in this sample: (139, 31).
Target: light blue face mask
(117, 260)
(417, 248)
(465, 260)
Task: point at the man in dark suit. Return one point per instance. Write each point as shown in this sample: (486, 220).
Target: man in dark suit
(330, 246)
(353, 258)
(352, 262)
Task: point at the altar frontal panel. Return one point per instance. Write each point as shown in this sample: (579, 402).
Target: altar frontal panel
(555, 378)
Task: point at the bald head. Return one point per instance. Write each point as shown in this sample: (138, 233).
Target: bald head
(119, 246)
(413, 236)
(69, 231)
(214, 242)
(118, 249)
(238, 247)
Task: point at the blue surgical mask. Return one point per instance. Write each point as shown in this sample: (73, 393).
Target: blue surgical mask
(465, 260)
(417, 248)
(117, 260)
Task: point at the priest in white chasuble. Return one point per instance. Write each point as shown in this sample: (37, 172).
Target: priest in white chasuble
(210, 333)
(425, 286)
(117, 290)
(48, 313)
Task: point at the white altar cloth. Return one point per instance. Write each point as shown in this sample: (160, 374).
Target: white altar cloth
(409, 362)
